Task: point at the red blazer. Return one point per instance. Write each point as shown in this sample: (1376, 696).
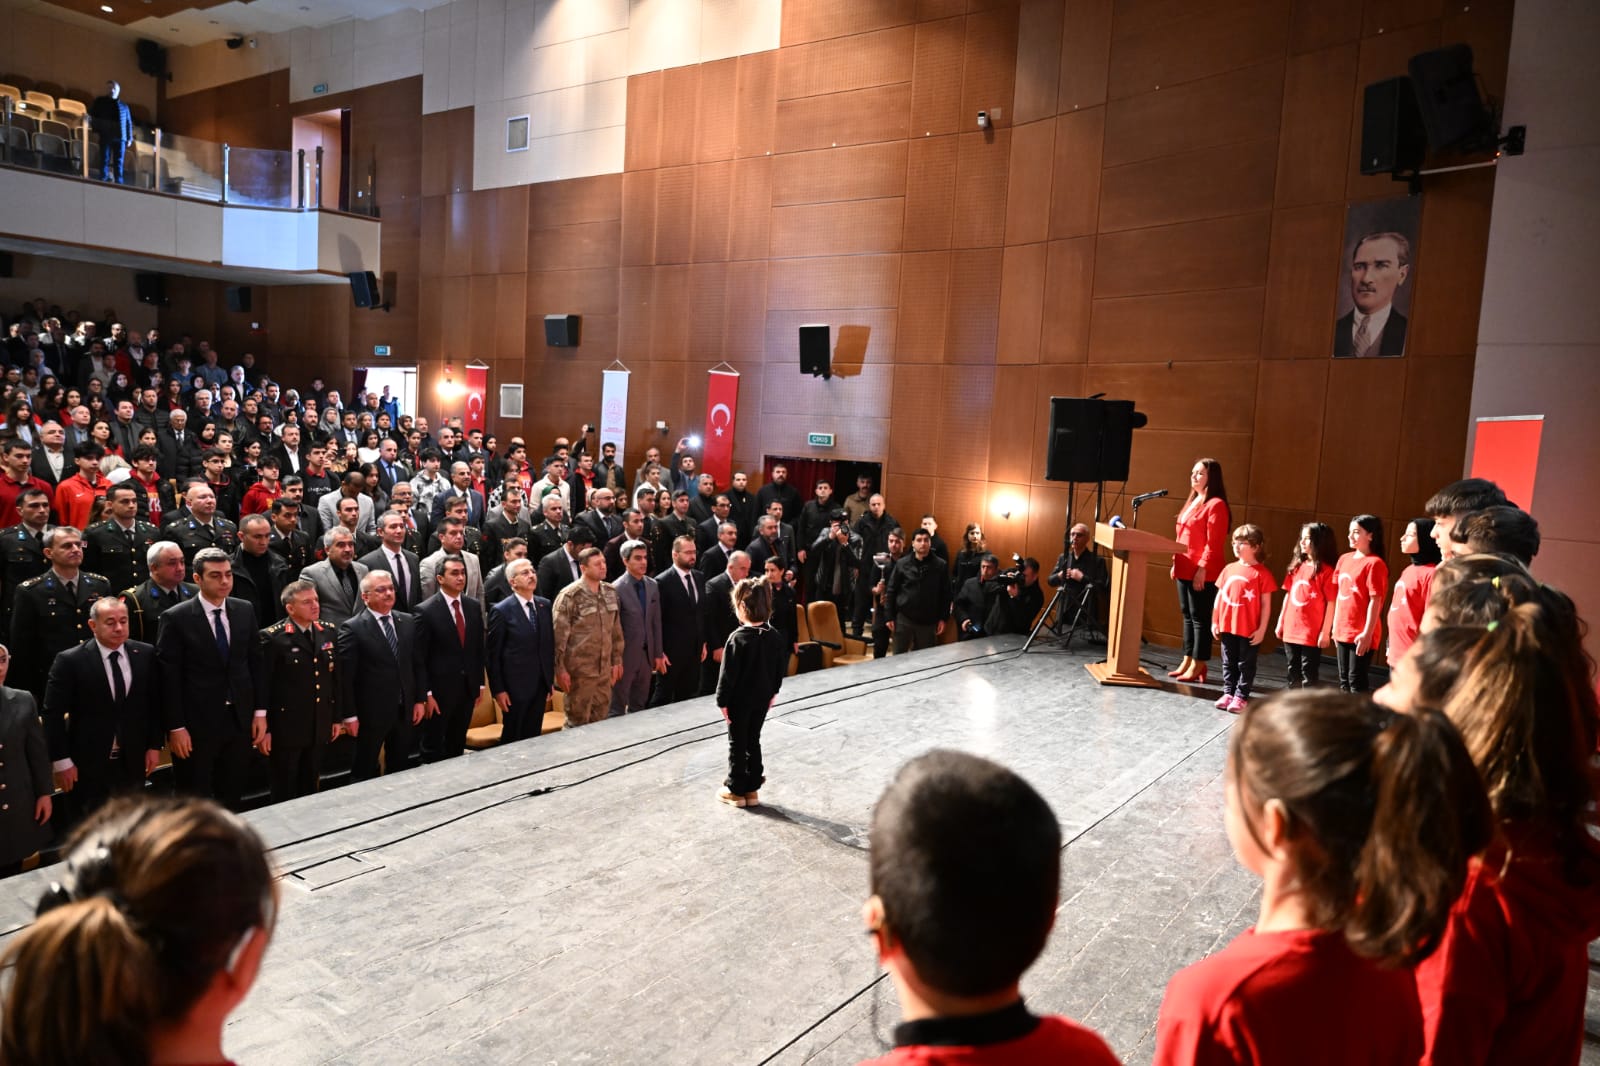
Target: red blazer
(1203, 526)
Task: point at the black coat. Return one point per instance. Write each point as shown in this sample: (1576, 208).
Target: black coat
(555, 573)
(269, 608)
(82, 719)
(374, 686)
(25, 773)
(451, 667)
(521, 663)
(201, 691)
(682, 637)
(717, 620)
(378, 559)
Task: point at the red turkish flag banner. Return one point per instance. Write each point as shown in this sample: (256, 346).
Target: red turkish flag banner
(476, 398)
(722, 401)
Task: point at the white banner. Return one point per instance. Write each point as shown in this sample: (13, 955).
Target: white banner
(614, 415)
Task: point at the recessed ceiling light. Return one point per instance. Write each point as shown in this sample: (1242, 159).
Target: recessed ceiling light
(106, 8)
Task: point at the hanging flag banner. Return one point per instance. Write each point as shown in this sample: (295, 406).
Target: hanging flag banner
(722, 400)
(477, 391)
(614, 415)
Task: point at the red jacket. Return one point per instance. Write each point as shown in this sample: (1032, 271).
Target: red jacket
(258, 498)
(1203, 526)
(75, 498)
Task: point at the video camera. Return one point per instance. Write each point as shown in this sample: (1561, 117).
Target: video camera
(1013, 576)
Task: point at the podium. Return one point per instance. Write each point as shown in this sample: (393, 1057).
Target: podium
(1130, 570)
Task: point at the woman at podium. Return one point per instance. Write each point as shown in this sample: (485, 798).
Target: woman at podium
(1203, 527)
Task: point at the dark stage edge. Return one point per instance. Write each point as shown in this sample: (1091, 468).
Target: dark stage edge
(628, 917)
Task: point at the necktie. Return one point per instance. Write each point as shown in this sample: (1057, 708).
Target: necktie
(222, 633)
(461, 623)
(119, 688)
(533, 623)
(72, 592)
(638, 586)
(1363, 338)
(388, 634)
(402, 583)
(688, 583)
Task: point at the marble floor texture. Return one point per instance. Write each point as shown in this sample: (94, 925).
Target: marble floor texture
(583, 898)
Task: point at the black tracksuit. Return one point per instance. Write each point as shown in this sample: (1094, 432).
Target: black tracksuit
(754, 661)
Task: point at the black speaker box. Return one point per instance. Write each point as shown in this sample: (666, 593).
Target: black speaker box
(816, 343)
(152, 288)
(364, 288)
(8, 265)
(561, 331)
(239, 298)
(1453, 111)
(152, 58)
(1090, 440)
(1392, 138)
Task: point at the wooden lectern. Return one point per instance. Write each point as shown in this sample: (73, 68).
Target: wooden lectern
(1130, 567)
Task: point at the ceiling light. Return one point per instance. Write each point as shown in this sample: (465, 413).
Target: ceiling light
(106, 8)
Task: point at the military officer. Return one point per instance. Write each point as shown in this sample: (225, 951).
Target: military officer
(51, 611)
(301, 700)
(116, 548)
(165, 589)
(22, 546)
(589, 645)
(204, 528)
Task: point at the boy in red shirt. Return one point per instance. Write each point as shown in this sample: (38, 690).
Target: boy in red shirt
(75, 495)
(1239, 616)
(966, 872)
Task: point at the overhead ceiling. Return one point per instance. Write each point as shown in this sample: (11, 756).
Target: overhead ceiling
(188, 22)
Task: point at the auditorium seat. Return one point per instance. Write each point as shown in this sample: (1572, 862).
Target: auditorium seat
(484, 729)
(555, 713)
(12, 93)
(36, 99)
(823, 617)
(53, 154)
(71, 107)
(55, 129)
(19, 152)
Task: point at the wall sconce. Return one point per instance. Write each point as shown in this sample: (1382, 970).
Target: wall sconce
(448, 388)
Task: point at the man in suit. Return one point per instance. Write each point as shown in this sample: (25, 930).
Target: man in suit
(681, 589)
(302, 695)
(496, 586)
(551, 532)
(521, 653)
(116, 548)
(632, 529)
(717, 620)
(639, 606)
(416, 520)
(503, 523)
(768, 544)
(450, 644)
(460, 485)
(291, 456)
(102, 711)
(707, 531)
(286, 539)
(51, 462)
(259, 574)
(714, 560)
(337, 578)
(452, 539)
(472, 538)
(162, 591)
(559, 568)
(391, 471)
(351, 485)
(382, 679)
(210, 659)
(1379, 265)
(177, 449)
(601, 517)
(392, 557)
(306, 518)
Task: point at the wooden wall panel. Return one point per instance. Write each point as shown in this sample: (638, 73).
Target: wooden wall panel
(1361, 436)
(750, 211)
(848, 227)
(561, 203)
(989, 74)
(1068, 289)
(1453, 249)
(857, 117)
(1289, 405)
(713, 193)
(1239, 105)
(1085, 54)
(1013, 439)
(1202, 325)
(674, 214)
(873, 330)
(845, 281)
(716, 123)
(744, 317)
(936, 78)
(1221, 253)
(755, 132)
(1303, 283)
(817, 20)
(963, 418)
(1316, 24)
(1075, 186)
(855, 173)
(1198, 44)
(924, 307)
(930, 184)
(639, 217)
(974, 297)
(1030, 172)
(1022, 281)
(841, 63)
(1038, 60)
(500, 231)
(680, 108)
(1317, 130)
(1230, 180)
(982, 163)
(642, 144)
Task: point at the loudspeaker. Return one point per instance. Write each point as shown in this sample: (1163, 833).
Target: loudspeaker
(8, 266)
(561, 331)
(1090, 440)
(152, 58)
(816, 344)
(1392, 138)
(364, 288)
(152, 288)
(1453, 112)
(239, 298)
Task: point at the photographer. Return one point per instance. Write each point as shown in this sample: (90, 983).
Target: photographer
(837, 556)
(1015, 611)
(919, 596)
(977, 598)
(1079, 569)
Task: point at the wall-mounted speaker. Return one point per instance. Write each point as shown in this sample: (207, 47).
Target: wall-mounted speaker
(816, 344)
(239, 298)
(1392, 137)
(364, 288)
(1090, 440)
(152, 58)
(561, 331)
(1453, 111)
(151, 288)
(8, 265)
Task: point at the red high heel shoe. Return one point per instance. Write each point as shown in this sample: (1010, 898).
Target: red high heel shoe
(1183, 667)
(1196, 675)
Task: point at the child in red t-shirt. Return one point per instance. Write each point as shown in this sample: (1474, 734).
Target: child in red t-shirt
(1358, 612)
(1328, 795)
(1239, 616)
(1411, 591)
(1305, 624)
(966, 877)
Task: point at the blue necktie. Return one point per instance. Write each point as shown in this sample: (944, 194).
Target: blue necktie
(388, 634)
(638, 587)
(532, 624)
(222, 633)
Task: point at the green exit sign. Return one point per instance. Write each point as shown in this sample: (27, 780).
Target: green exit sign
(820, 440)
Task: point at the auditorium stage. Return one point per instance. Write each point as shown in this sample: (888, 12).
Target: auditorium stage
(625, 916)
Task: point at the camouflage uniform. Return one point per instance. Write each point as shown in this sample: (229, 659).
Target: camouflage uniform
(588, 644)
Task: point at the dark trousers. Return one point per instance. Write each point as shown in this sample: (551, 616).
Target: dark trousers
(914, 636)
(1238, 665)
(295, 771)
(632, 692)
(1305, 663)
(1353, 668)
(681, 681)
(123, 775)
(215, 769)
(745, 771)
(710, 670)
(523, 719)
(394, 738)
(1196, 607)
(111, 153)
(444, 735)
(880, 640)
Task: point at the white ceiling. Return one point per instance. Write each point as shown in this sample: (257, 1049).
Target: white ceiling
(231, 19)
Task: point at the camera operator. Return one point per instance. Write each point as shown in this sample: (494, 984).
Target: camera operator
(976, 600)
(919, 596)
(879, 593)
(1079, 569)
(837, 555)
(1015, 611)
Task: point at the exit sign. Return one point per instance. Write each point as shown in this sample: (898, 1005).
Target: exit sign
(320, 87)
(820, 440)
(380, 349)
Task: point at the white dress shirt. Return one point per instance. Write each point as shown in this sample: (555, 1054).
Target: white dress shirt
(127, 686)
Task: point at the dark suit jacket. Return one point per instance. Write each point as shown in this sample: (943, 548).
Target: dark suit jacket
(1392, 343)
(555, 573)
(79, 688)
(604, 527)
(680, 616)
(474, 505)
(200, 691)
(713, 561)
(496, 530)
(450, 667)
(374, 687)
(717, 620)
(386, 482)
(520, 662)
(641, 628)
(279, 574)
(378, 559)
(41, 469)
(174, 460)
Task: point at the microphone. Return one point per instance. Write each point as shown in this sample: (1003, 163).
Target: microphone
(1145, 496)
(1117, 522)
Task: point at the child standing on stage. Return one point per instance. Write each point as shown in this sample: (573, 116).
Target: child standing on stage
(1360, 823)
(1411, 591)
(753, 664)
(1305, 624)
(1239, 617)
(1358, 612)
(966, 878)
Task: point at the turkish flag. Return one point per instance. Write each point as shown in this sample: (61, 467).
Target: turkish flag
(477, 386)
(722, 400)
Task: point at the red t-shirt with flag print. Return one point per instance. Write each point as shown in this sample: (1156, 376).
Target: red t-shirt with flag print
(1244, 595)
(1405, 610)
(1363, 579)
(1311, 590)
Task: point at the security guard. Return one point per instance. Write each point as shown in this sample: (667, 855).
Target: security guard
(165, 589)
(22, 547)
(51, 611)
(302, 697)
(204, 528)
(117, 546)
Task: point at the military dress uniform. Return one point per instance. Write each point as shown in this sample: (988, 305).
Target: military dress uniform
(546, 538)
(301, 698)
(147, 602)
(472, 542)
(295, 549)
(119, 554)
(192, 535)
(21, 557)
(46, 620)
(589, 643)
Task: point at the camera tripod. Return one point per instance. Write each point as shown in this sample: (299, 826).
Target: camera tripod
(1082, 615)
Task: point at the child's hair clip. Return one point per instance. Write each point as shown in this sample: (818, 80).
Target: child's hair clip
(1492, 626)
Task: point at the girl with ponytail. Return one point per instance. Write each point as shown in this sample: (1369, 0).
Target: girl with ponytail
(1360, 823)
(1509, 981)
(151, 937)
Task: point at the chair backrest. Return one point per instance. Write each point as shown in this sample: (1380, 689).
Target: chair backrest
(823, 618)
(56, 129)
(20, 138)
(43, 101)
(13, 92)
(72, 107)
(49, 144)
(802, 623)
(26, 123)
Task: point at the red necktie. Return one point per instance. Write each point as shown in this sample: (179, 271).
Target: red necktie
(461, 623)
